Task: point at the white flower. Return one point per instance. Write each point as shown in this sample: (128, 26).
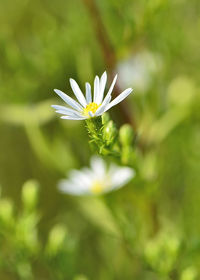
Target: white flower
(139, 69)
(96, 180)
(89, 106)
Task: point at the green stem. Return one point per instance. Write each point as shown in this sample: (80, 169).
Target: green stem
(103, 136)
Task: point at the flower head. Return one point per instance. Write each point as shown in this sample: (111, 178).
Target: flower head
(89, 106)
(96, 180)
(139, 69)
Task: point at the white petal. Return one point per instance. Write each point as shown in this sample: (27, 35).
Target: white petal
(110, 91)
(81, 177)
(91, 114)
(69, 114)
(102, 88)
(98, 167)
(120, 176)
(90, 174)
(78, 92)
(96, 89)
(66, 111)
(71, 102)
(59, 107)
(112, 85)
(119, 98)
(102, 108)
(75, 118)
(88, 93)
(71, 188)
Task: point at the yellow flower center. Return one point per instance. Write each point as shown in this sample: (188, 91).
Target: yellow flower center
(91, 107)
(97, 187)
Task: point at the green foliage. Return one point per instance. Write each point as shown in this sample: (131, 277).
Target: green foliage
(103, 135)
(23, 256)
(106, 139)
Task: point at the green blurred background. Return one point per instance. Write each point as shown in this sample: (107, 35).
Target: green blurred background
(148, 230)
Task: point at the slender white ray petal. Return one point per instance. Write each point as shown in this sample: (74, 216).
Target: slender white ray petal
(74, 183)
(65, 110)
(80, 177)
(91, 114)
(106, 100)
(71, 102)
(60, 107)
(71, 188)
(98, 166)
(119, 98)
(62, 112)
(96, 89)
(121, 176)
(75, 118)
(69, 114)
(78, 92)
(102, 87)
(102, 108)
(110, 91)
(68, 111)
(112, 85)
(88, 93)
(90, 174)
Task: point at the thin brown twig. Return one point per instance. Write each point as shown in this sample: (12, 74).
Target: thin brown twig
(110, 59)
(108, 53)
(102, 36)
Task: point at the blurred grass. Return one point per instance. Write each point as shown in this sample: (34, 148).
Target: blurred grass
(42, 45)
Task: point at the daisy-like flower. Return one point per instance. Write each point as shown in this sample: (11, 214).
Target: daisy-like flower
(97, 179)
(90, 105)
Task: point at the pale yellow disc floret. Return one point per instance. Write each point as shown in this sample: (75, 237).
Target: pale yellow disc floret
(91, 107)
(97, 187)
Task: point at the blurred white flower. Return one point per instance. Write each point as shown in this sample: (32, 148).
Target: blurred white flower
(97, 179)
(138, 70)
(89, 106)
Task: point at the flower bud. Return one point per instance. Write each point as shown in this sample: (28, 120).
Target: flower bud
(56, 238)
(190, 273)
(161, 252)
(105, 118)
(30, 194)
(109, 132)
(126, 135)
(6, 211)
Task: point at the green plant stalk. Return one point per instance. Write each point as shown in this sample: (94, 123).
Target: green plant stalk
(104, 140)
